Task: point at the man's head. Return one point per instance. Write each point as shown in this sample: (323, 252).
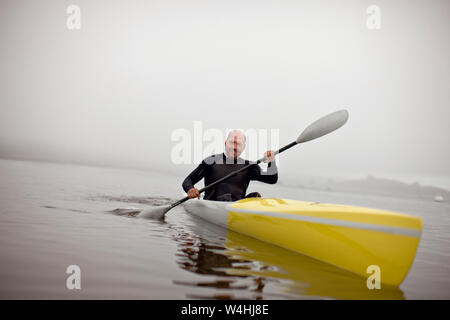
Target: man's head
(235, 144)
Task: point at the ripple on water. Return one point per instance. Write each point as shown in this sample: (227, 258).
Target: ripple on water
(152, 201)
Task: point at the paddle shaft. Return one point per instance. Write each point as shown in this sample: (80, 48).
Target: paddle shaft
(232, 174)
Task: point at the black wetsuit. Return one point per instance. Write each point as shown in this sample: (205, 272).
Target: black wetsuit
(235, 188)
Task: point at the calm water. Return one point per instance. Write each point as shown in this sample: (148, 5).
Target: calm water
(56, 215)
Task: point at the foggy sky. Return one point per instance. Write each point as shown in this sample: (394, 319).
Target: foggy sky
(114, 91)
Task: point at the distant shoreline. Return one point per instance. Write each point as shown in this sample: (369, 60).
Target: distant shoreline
(376, 186)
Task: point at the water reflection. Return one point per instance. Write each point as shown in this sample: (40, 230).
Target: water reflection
(239, 267)
(249, 266)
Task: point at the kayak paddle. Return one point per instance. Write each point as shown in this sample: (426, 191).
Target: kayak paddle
(315, 130)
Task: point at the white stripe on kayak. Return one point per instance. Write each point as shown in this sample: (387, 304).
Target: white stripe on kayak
(333, 222)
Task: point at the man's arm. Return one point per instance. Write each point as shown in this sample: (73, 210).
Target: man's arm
(270, 176)
(195, 176)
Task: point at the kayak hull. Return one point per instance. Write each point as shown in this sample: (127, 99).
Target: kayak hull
(352, 238)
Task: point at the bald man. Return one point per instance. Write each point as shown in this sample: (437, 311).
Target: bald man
(219, 165)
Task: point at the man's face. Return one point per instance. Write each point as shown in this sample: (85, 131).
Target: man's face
(234, 145)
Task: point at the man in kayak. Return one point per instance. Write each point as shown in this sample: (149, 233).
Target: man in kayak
(219, 165)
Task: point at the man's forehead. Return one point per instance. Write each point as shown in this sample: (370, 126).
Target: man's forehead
(236, 135)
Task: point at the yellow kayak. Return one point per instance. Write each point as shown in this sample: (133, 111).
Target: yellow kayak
(349, 237)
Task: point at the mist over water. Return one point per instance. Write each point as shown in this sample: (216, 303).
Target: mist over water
(114, 91)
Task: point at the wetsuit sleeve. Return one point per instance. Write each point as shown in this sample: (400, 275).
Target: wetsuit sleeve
(270, 176)
(195, 176)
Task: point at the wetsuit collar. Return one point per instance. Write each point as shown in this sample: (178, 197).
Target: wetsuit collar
(230, 160)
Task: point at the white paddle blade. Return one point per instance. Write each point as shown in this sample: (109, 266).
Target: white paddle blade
(323, 126)
(154, 213)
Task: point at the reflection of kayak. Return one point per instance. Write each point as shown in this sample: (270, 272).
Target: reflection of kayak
(260, 270)
(352, 238)
(304, 276)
